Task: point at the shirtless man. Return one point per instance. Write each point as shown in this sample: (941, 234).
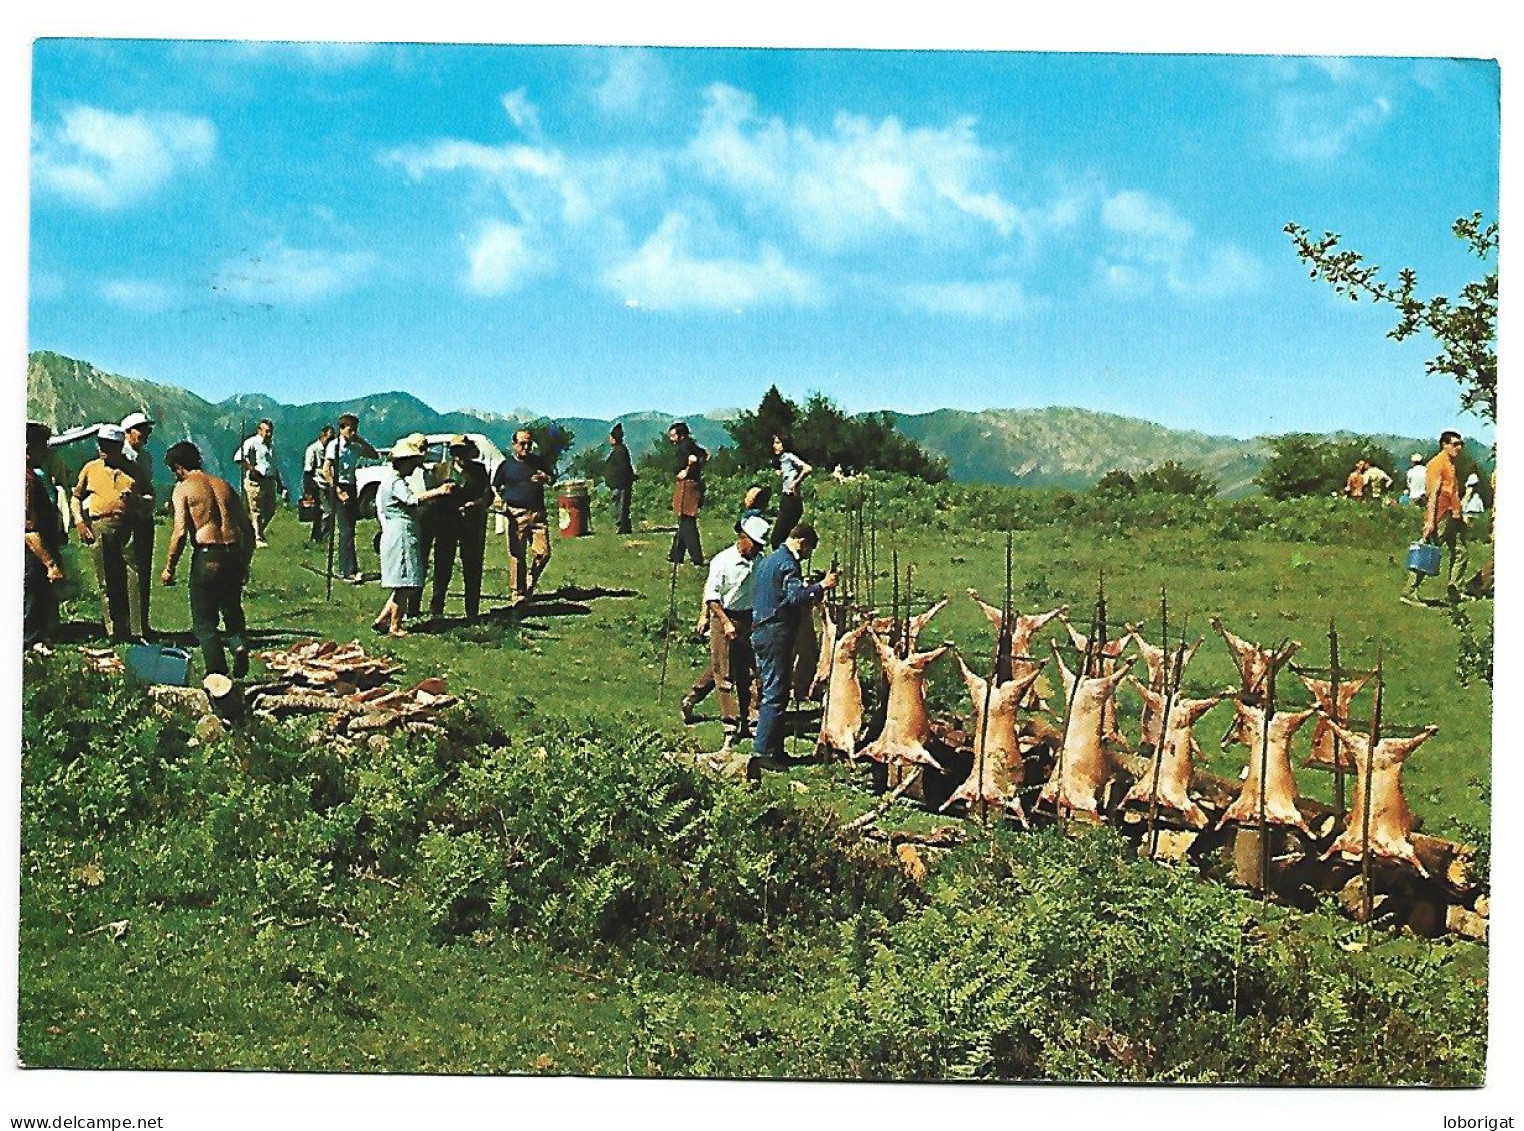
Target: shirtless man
(209, 512)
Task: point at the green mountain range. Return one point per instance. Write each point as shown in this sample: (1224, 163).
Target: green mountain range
(1067, 447)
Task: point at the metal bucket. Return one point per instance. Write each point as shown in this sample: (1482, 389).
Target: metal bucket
(574, 510)
(1423, 557)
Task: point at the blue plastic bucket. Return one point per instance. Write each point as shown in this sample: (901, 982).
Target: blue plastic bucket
(1423, 557)
(154, 663)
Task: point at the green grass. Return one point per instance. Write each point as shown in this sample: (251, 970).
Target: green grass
(205, 978)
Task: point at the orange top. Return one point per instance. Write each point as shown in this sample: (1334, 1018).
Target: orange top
(1440, 485)
(1354, 486)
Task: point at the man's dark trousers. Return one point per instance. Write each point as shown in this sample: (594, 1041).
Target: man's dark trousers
(773, 645)
(216, 592)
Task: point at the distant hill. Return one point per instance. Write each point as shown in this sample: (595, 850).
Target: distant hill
(1066, 447)
(64, 392)
(1072, 447)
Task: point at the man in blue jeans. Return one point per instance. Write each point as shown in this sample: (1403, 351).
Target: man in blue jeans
(779, 598)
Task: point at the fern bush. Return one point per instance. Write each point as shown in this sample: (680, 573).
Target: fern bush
(1050, 958)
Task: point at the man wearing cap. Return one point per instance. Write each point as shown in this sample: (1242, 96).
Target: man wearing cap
(104, 502)
(313, 487)
(341, 460)
(211, 517)
(261, 478)
(44, 539)
(1417, 476)
(460, 526)
(779, 598)
(520, 482)
(727, 600)
(137, 428)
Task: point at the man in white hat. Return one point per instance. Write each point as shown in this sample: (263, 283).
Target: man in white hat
(137, 427)
(1417, 477)
(261, 478)
(106, 498)
(727, 599)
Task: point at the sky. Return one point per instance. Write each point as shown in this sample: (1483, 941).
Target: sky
(594, 231)
(170, 169)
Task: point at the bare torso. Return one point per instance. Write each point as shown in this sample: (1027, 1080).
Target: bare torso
(210, 510)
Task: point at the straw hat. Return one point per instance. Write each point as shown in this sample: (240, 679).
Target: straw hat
(412, 446)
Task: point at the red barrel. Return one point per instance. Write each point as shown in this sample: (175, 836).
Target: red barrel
(573, 505)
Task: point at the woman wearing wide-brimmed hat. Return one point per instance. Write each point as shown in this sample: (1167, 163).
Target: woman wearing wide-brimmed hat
(397, 507)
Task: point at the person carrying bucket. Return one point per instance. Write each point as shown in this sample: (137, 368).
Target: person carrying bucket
(1444, 525)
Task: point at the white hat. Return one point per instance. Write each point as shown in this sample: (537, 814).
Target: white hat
(1472, 480)
(1417, 457)
(111, 433)
(135, 420)
(755, 528)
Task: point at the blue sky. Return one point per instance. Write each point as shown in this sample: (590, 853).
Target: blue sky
(593, 231)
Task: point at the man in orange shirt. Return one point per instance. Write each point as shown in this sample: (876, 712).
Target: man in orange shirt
(1442, 518)
(1354, 486)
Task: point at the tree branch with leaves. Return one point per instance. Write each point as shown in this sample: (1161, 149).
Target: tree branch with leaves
(1465, 328)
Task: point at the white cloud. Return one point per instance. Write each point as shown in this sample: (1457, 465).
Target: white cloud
(1150, 246)
(636, 84)
(996, 300)
(1138, 215)
(1318, 130)
(534, 179)
(282, 274)
(107, 161)
(665, 273)
(522, 112)
(860, 181)
(1322, 108)
(501, 259)
(138, 295)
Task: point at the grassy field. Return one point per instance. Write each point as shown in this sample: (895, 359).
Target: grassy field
(260, 968)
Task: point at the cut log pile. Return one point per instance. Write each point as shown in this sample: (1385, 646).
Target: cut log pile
(103, 660)
(341, 669)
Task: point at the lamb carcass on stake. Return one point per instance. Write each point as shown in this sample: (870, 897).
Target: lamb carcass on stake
(1175, 762)
(1322, 733)
(1084, 764)
(1391, 819)
(1107, 656)
(1253, 662)
(998, 770)
(1280, 783)
(907, 725)
(843, 716)
(1154, 656)
(1023, 628)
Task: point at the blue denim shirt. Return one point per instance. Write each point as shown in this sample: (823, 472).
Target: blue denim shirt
(778, 589)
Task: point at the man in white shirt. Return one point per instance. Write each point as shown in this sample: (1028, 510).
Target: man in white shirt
(341, 460)
(1417, 480)
(261, 478)
(727, 599)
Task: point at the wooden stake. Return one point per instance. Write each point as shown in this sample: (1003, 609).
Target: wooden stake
(1338, 756)
(1370, 763)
